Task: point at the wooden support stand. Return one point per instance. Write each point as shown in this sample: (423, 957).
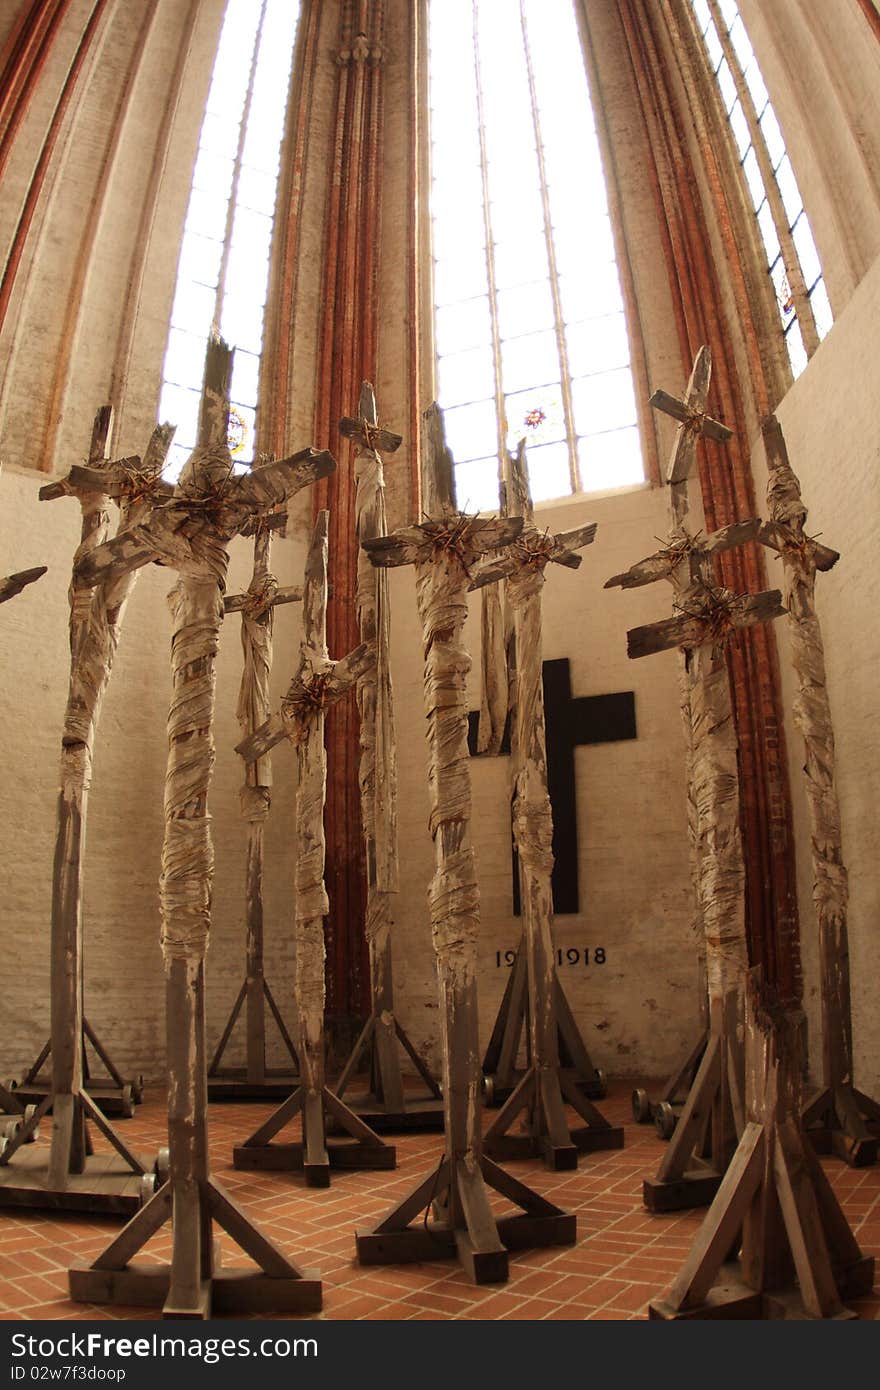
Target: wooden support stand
(256, 1080)
(443, 549)
(73, 1178)
(706, 1133)
(385, 1106)
(115, 1096)
(318, 683)
(797, 1256)
(501, 1074)
(841, 1119)
(190, 533)
(316, 1153)
(541, 1093)
(191, 1285)
(464, 1227)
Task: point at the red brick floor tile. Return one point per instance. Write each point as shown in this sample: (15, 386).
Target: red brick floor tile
(623, 1256)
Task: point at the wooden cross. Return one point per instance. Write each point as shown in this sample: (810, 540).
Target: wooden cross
(384, 1106)
(444, 547)
(685, 559)
(706, 615)
(318, 683)
(256, 607)
(95, 621)
(191, 531)
(693, 423)
(542, 1087)
(840, 1110)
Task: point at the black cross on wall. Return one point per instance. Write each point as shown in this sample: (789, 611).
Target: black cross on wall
(571, 722)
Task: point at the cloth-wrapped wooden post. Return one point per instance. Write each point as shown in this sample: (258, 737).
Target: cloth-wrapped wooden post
(443, 548)
(190, 532)
(679, 565)
(72, 1179)
(541, 1089)
(256, 607)
(840, 1116)
(797, 1255)
(711, 1117)
(706, 613)
(384, 1107)
(318, 683)
(706, 1135)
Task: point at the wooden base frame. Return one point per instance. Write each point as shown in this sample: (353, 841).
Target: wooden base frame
(775, 1206)
(316, 1153)
(464, 1227)
(255, 1081)
(277, 1286)
(666, 1110)
(710, 1124)
(540, 1096)
(115, 1095)
(385, 1106)
(70, 1176)
(845, 1122)
(500, 1072)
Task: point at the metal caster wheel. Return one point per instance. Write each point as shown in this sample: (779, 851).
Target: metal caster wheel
(665, 1119)
(137, 1090)
(162, 1167)
(488, 1090)
(11, 1128)
(10, 1084)
(641, 1106)
(147, 1187)
(29, 1112)
(2, 1145)
(602, 1083)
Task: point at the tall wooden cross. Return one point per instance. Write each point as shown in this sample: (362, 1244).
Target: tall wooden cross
(256, 607)
(544, 1088)
(385, 1105)
(840, 1108)
(318, 683)
(706, 614)
(96, 613)
(681, 565)
(191, 532)
(444, 547)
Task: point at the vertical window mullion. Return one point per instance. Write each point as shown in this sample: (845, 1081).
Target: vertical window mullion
(236, 169)
(500, 414)
(797, 284)
(558, 321)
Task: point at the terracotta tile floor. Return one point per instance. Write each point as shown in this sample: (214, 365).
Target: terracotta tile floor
(623, 1256)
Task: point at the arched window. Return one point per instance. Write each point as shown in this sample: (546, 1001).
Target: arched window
(223, 271)
(530, 332)
(792, 258)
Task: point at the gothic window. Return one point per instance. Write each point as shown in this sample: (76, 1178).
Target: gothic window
(530, 333)
(792, 259)
(223, 271)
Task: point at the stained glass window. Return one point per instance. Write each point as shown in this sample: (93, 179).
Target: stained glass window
(792, 260)
(530, 333)
(223, 271)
